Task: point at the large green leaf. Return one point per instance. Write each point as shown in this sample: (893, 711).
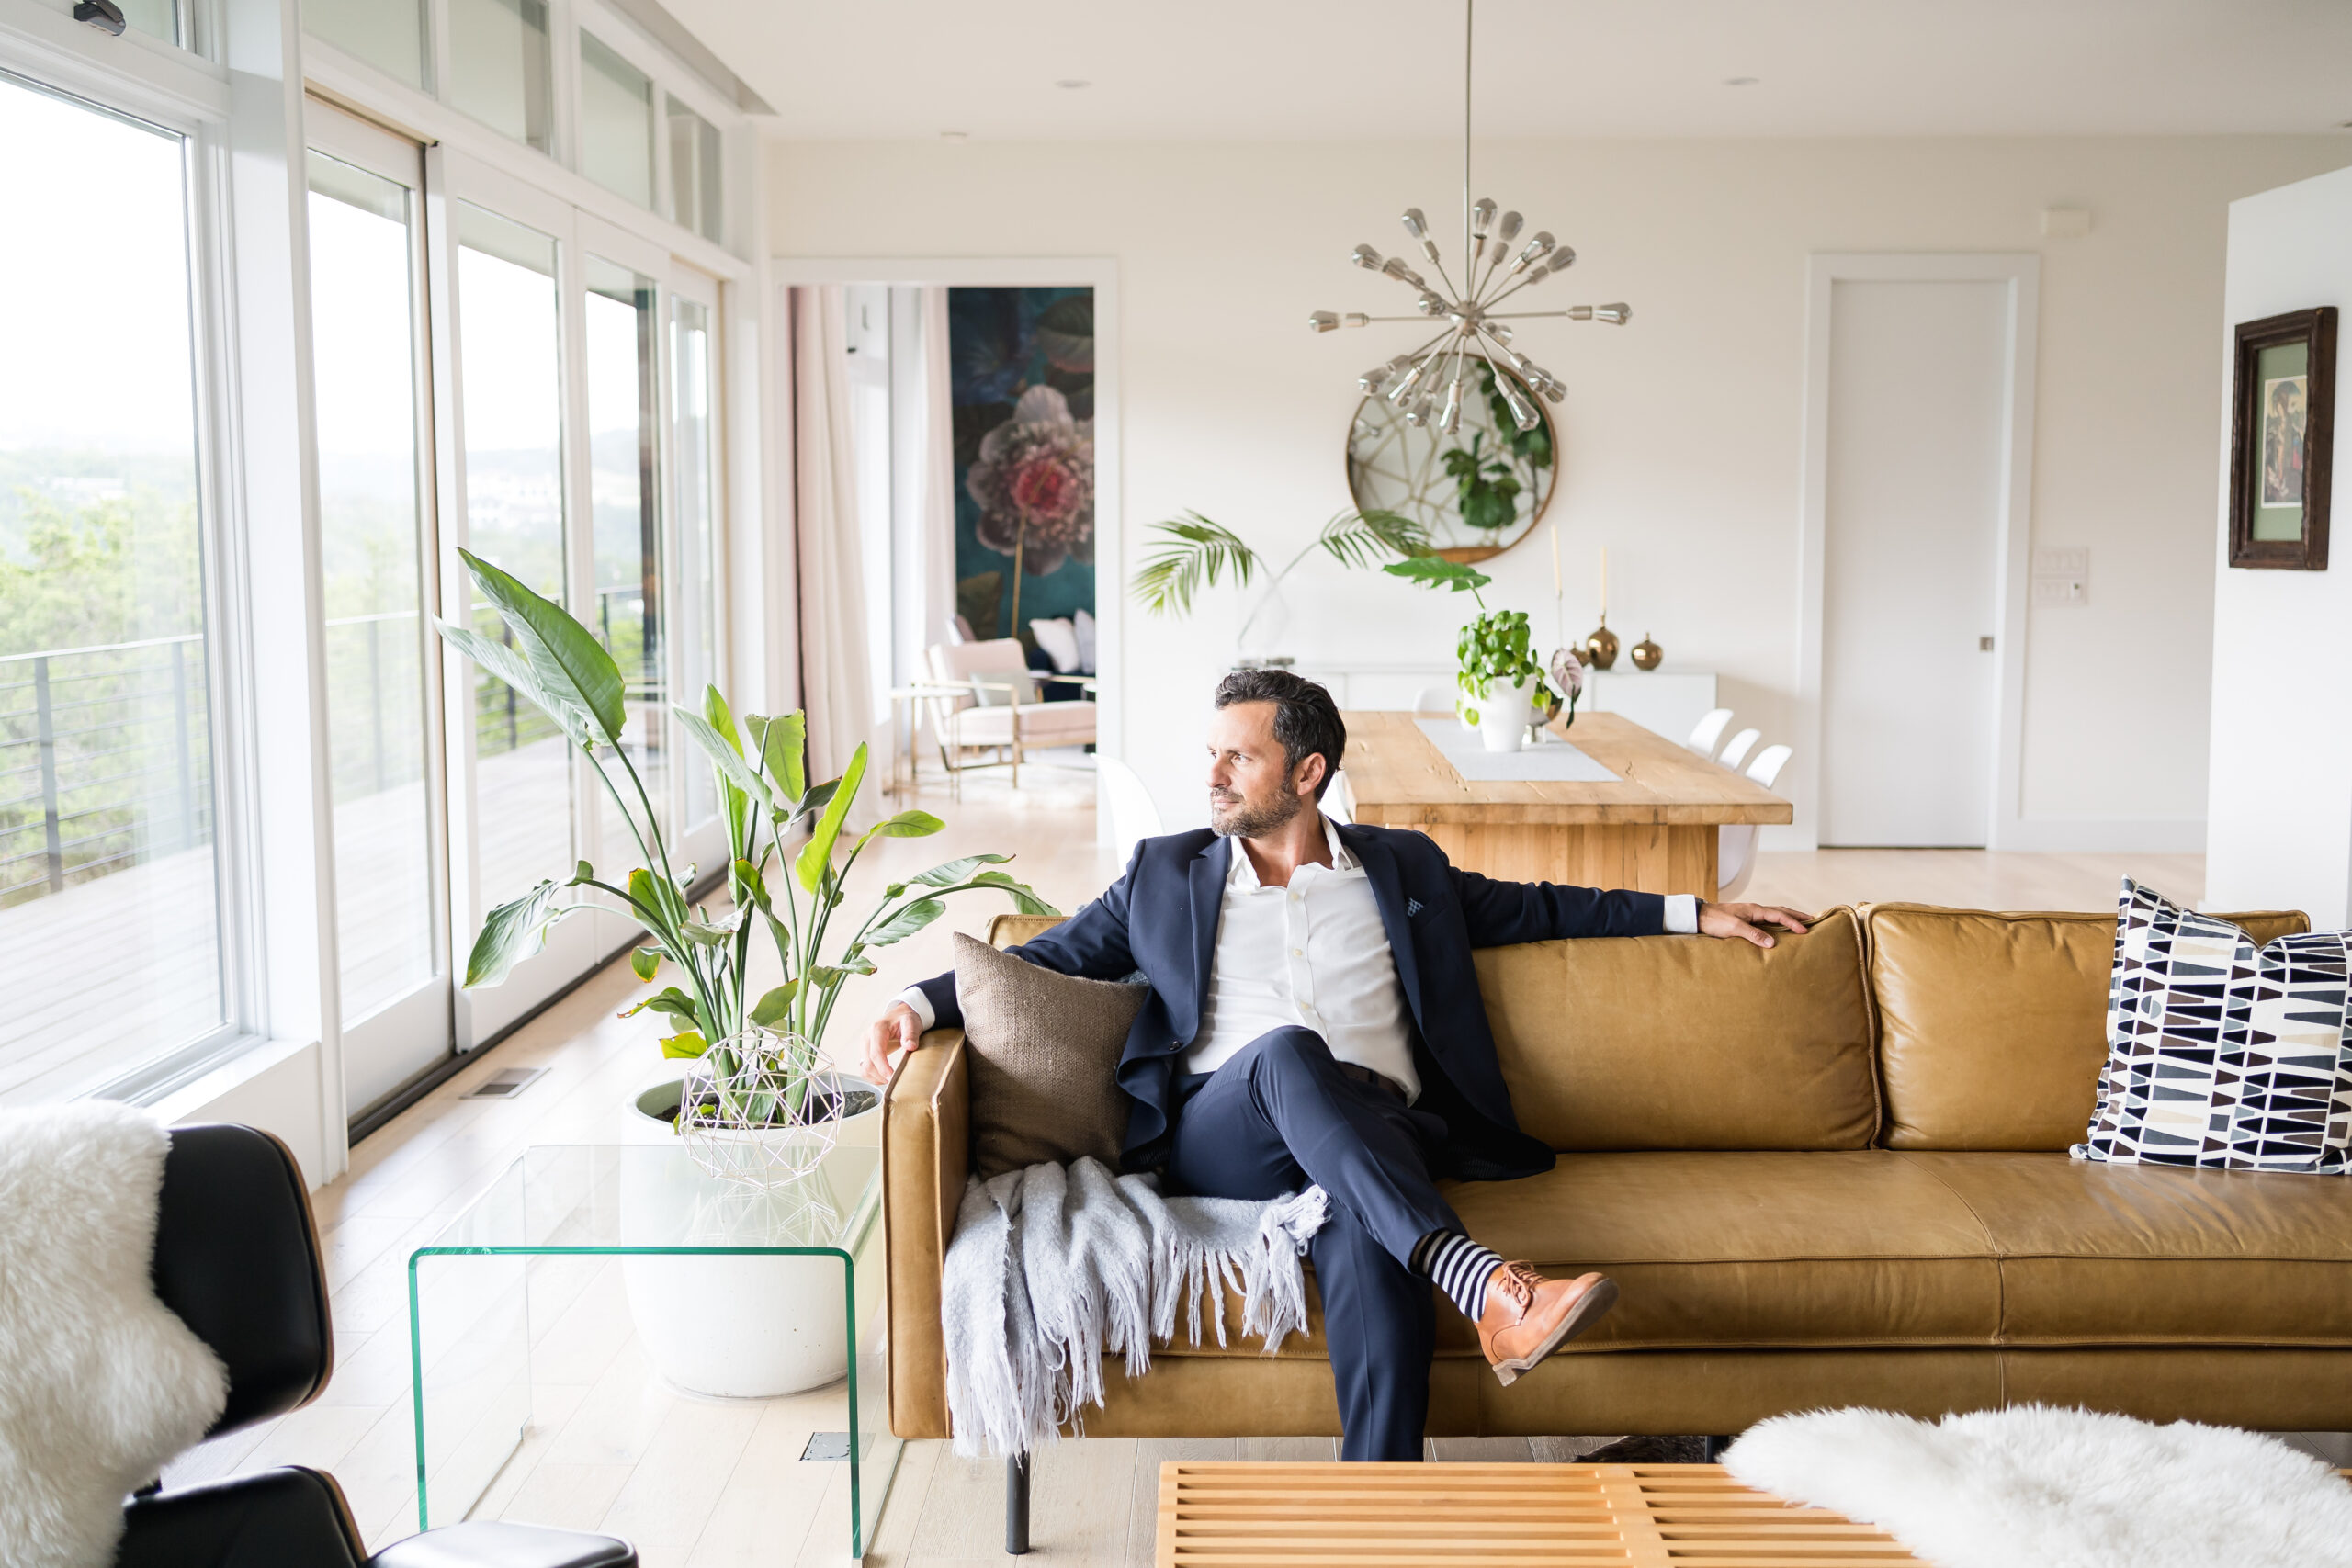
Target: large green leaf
(1024, 898)
(566, 656)
(784, 753)
(672, 1002)
(905, 825)
(688, 1045)
(955, 871)
(826, 975)
(515, 671)
(909, 920)
(774, 1005)
(1435, 571)
(512, 932)
(727, 753)
(645, 963)
(817, 855)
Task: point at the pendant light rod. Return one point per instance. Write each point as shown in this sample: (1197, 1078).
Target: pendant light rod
(1469, 19)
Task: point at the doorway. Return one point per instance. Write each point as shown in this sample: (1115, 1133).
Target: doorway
(1916, 473)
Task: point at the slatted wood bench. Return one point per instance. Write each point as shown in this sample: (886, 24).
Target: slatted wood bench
(1244, 1514)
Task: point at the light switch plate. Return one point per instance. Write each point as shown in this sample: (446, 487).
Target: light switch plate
(2061, 590)
(2061, 561)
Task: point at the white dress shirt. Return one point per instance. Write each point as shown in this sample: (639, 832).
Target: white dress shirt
(1316, 954)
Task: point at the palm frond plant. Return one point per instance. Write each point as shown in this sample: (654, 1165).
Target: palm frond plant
(1198, 553)
(758, 1062)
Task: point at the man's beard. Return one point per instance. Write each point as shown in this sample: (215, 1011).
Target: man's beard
(1244, 820)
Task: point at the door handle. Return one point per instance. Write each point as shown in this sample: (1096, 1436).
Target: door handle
(1984, 644)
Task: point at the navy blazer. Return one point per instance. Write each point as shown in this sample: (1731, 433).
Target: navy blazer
(1160, 922)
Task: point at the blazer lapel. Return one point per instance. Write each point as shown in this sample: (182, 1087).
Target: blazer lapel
(1388, 893)
(1207, 885)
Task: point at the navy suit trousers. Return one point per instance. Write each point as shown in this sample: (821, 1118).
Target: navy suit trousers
(1279, 1116)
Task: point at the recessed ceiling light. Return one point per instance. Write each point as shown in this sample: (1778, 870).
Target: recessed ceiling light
(1739, 81)
(954, 135)
(1073, 82)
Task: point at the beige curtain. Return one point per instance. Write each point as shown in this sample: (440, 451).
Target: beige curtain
(837, 688)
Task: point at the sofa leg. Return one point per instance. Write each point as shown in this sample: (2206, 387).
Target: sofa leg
(1715, 1446)
(1016, 1505)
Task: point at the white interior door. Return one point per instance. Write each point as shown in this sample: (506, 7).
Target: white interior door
(1918, 404)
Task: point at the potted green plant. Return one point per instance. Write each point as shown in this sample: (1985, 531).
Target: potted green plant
(1501, 683)
(753, 1098)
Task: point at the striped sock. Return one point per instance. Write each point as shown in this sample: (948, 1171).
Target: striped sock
(1459, 1267)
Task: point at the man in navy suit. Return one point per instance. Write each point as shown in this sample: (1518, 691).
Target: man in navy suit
(1315, 1017)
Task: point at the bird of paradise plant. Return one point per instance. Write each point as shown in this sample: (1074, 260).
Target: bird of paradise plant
(760, 1057)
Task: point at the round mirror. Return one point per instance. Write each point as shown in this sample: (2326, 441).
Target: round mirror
(1479, 490)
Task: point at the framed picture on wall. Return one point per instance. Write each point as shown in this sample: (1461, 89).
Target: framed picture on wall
(2282, 418)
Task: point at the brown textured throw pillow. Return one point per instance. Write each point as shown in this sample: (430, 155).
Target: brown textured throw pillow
(1044, 1049)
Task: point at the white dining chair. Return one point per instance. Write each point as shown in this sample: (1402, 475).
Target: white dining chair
(1708, 733)
(1736, 843)
(1737, 752)
(1133, 814)
(1340, 800)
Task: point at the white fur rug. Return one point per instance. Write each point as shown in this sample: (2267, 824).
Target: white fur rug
(2035, 1488)
(99, 1384)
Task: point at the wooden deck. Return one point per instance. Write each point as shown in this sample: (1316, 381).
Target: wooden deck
(1255, 1515)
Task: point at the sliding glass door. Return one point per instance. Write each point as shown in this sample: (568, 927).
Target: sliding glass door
(376, 548)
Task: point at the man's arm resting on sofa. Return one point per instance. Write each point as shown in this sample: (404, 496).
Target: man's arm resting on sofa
(1501, 913)
(926, 1158)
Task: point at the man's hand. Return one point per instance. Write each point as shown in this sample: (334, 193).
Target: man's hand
(897, 1030)
(1749, 920)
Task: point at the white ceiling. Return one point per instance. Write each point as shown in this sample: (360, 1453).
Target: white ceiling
(1313, 69)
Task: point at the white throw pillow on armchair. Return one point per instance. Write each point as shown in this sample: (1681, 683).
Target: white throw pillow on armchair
(1082, 623)
(1060, 640)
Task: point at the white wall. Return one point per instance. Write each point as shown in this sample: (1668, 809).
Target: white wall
(2282, 640)
(1680, 434)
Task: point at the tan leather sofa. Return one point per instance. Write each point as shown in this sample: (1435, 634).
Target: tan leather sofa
(1831, 1174)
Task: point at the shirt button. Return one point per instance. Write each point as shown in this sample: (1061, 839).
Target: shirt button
(1297, 952)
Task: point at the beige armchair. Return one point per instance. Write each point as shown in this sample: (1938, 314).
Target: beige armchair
(984, 704)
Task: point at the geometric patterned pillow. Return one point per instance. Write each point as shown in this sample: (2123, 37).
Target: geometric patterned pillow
(2221, 1054)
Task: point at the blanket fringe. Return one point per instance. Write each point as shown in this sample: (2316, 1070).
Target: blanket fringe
(1052, 1270)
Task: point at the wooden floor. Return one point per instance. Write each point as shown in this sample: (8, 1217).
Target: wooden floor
(699, 1484)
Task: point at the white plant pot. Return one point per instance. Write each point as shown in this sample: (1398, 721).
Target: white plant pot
(728, 1327)
(1502, 720)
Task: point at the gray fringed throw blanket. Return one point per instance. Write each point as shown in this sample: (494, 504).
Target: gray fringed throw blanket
(1051, 1270)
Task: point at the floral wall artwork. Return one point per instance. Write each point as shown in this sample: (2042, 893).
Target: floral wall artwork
(1023, 392)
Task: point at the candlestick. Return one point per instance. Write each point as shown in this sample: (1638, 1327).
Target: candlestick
(1605, 584)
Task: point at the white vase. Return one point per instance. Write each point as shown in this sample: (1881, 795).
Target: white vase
(1502, 720)
(732, 1328)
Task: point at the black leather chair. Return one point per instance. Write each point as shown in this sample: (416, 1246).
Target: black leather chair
(237, 1257)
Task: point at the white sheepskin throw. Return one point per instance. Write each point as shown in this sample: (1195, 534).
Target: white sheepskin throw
(2058, 1488)
(100, 1385)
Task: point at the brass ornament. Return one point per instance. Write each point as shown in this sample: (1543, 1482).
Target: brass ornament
(1646, 653)
(1601, 646)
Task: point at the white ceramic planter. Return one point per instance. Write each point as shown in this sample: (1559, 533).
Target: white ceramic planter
(1502, 720)
(728, 1327)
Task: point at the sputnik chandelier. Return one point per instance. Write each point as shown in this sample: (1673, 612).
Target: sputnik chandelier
(1492, 274)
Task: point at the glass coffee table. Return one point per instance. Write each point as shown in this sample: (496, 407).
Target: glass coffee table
(592, 1289)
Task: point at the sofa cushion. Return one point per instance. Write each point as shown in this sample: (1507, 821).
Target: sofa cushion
(1665, 1042)
(2152, 1254)
(1993, 1027)
(1873, 1249)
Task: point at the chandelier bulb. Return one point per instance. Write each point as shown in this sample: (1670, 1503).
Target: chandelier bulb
(1535, 250)
(1432, 304)
(1419, 414)
(1563, 258)
(1322, 321)
(1355, 319)
(1451, 420)
(1499, 331)
(1415, 224)
(1428, 249)
(1510, 227)
(1394, 267)
(1482, 217)
(1615, 315)
(1366, 257)
(1522, 412)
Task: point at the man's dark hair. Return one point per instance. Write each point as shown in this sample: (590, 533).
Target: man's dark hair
(1305, 718)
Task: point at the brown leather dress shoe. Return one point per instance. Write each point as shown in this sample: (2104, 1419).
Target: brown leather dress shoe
(1528, 1316)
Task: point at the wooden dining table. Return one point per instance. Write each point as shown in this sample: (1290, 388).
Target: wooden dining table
(1653, 828)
